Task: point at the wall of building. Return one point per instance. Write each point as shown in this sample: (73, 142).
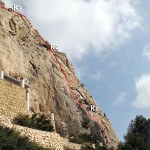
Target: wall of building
(12, 99)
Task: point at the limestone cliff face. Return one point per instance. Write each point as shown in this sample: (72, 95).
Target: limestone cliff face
(24, 54)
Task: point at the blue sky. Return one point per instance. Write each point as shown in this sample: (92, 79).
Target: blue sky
(109, 44)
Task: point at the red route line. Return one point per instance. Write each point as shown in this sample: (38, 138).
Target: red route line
(60, 66)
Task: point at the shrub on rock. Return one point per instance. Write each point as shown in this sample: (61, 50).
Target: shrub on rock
(36, 121)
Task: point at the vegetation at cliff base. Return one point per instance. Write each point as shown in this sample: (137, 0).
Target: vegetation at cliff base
(37, 121)
(82, 138)
(137, 136)
(11, 140)
(89, 147)
(87, 141)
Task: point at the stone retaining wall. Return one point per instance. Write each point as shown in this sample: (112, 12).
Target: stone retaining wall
(12, 103)
(42, 138)
(12, 99)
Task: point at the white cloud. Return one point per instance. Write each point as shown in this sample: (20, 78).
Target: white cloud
(8, 3)
(96, 76)
(81, 71)
(143, 92)
(79, 27)
(113, 63)
(121, 98)
(146, 52)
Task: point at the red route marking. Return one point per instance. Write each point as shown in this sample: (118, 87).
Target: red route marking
(72, 93)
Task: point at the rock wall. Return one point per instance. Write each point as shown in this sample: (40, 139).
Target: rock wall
(23, 52)
(42, 138)
(12, 99)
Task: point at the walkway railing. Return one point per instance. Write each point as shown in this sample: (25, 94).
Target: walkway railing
(17, 82)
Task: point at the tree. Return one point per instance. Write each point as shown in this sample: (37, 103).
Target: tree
(138, 135)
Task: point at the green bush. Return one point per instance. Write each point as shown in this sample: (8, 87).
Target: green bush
(87, 140)
(37, 121)
(82, 85)
(11, 140)
(82, 138)
(89, 147)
